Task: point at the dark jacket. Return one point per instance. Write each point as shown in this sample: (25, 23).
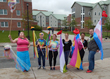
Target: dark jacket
(92, 46)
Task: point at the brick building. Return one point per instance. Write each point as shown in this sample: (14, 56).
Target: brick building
(5, 14)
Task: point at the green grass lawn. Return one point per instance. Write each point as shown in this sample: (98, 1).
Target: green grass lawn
(4, 36)
(87, 34)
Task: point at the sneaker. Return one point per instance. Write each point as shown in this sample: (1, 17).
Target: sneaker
(53, 68)
(24, 71)
(44, 68)
(50, 68)
(89, 71)
(66, 68)
(39, 67)
(77, 68)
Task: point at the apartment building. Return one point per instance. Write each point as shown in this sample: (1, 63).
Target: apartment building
(83, 11)
(47, 18)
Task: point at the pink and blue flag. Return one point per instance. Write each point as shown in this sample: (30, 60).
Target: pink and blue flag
(98, 36)
(76, 58)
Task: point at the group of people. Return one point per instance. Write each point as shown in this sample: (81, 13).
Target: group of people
(53, 45)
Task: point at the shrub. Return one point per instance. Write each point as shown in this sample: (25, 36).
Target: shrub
(37, 28)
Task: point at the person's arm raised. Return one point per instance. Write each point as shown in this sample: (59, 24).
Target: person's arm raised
(13, 41)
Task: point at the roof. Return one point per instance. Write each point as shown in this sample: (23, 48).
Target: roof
(47, 13)
(92, 5)
(35, 12)
(60, 16)
(85, 4)
(44, 12)
(104, 2)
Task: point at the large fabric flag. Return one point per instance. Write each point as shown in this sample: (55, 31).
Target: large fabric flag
(98, 36)
(76, 58)
(34, 43)
(12, 5)
(47, 40)
(62, 57)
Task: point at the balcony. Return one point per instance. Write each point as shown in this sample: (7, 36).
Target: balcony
(82, 13)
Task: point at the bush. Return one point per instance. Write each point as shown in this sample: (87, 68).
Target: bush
(37, 28)
(58, 29)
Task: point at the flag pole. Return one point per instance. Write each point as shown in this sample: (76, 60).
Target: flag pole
(11, 23)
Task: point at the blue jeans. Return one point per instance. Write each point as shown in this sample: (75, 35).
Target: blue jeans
(91, 59)
(41, 54)
(66, 53)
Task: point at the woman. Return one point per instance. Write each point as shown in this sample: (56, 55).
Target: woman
(53, 51)
(67, 45)
(84, 42)
(41, 43)
(22, 51)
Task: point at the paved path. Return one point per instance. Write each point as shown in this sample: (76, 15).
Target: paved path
(72, 36)
(102, 71)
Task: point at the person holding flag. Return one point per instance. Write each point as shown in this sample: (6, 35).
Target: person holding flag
(93, 48)
(76, 58)
(62, 56)
(53, 51)
(67, 45)
(41, 43)
(95, 43)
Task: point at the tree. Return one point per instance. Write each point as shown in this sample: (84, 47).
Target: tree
(107, 25)
(24, 20)
(64, 23)
(89, 24)
(73, 23)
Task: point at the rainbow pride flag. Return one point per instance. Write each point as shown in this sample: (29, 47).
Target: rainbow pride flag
(12, 5)
(76, 59)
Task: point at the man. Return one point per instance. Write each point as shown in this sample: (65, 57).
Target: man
(93, 48)
(41, 43)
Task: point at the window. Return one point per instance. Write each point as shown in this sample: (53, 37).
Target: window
(17, 1)
(89, 13)
(99, 13)
(95, 13)
(18, 24)
(73, 10)
(3, 1)
(18, 12)
(4, 24)
(3, 12)
(94, 21)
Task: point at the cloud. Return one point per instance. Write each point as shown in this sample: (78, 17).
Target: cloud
(57, 6)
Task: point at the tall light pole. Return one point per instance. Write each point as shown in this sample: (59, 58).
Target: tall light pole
(28, 21)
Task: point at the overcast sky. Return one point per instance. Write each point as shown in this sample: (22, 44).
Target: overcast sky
(57, 6)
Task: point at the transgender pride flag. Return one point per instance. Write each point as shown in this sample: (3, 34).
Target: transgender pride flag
(98, 36)
(62, 58)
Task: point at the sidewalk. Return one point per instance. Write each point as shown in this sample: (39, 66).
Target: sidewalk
(71, 37)
(102, 71)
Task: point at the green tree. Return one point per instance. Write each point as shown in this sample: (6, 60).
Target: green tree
(89, 24)
(24, 20)
(73, 23)
(107, 25)
(64, 23)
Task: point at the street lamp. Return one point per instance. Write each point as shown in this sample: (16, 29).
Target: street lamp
(28, 21)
